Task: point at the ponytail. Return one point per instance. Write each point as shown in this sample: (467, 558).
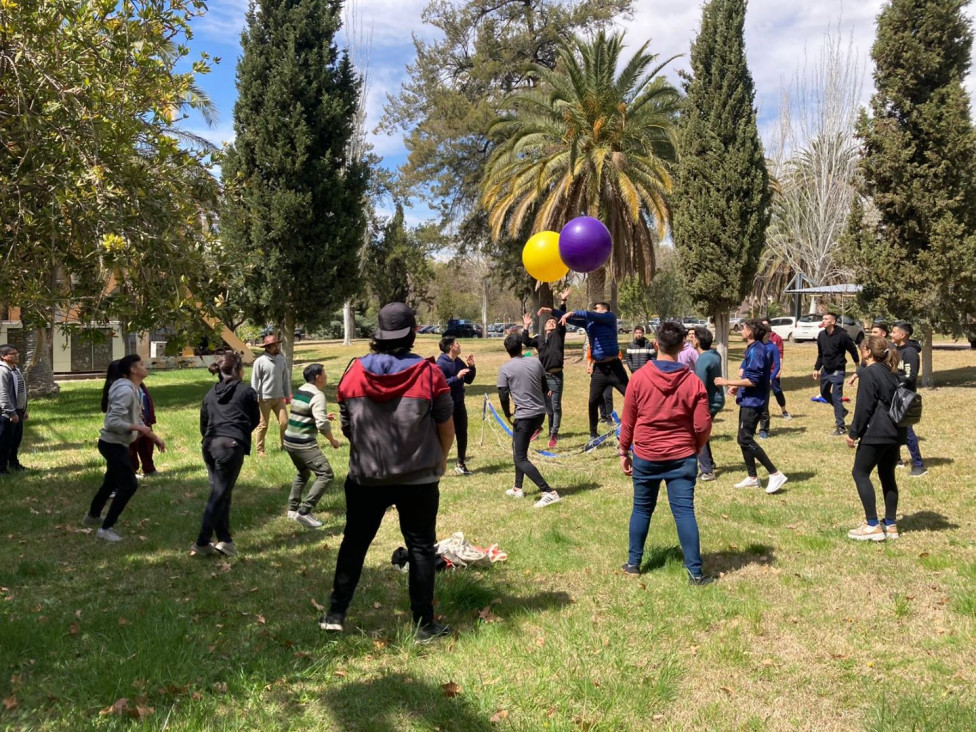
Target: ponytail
(119, 369)
(881, 351)
(227, 367)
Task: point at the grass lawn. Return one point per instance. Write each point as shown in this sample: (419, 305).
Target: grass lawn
(804, 629)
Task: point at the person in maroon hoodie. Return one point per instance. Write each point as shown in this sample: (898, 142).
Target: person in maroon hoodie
(143, 446)
(667, 422)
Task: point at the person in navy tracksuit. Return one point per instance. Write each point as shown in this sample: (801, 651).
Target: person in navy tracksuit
(458, 373)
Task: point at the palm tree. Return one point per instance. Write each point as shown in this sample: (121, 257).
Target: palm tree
(587, 141)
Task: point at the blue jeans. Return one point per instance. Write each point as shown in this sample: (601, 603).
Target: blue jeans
(911, 440)
(832, 389)
(679, 476)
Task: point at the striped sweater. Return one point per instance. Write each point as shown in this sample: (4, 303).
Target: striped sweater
(309, 416)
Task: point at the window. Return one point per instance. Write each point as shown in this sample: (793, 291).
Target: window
(91, 350)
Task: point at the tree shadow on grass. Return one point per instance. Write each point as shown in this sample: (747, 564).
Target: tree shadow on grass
(393, 701)
(925, 521)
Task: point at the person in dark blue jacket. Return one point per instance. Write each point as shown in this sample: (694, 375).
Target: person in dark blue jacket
(601, 329)
(458, 373)
(752, 395)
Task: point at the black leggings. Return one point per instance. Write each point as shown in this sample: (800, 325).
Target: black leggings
(608, 374)
(119, 477)
(751, 452)
(461, 430)
(522, 431)
(224, 457)
(884, 457)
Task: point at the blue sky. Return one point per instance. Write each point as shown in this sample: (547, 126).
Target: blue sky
(781, 35)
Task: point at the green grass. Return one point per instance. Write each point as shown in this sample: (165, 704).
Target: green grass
(803, 629)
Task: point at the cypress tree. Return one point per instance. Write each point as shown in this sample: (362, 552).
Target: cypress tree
(916, 256)
(721, 198)
(294, 218)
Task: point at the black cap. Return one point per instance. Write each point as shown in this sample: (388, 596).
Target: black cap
(396, 320)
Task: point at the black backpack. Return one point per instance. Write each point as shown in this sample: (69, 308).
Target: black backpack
(906, 407)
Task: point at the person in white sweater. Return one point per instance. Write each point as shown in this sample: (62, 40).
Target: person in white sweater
(269, 378)
(123, 423)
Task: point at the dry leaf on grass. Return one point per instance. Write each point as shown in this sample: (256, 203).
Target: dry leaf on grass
(317, 605)
(260, 619)
(340, 673)
(74, 629)
(487, 615)
(10, 703)
(377, 606)
(120, 707)
(451, 689)
(123, 621)
(220, 687)
(498, 716)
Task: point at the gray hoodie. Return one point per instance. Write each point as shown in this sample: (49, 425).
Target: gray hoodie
(124, 409)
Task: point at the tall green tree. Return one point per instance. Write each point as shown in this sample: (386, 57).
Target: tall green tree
(397, 265)
(722, 195)
(913, 245)
(294, 214)
(588, 140)
(104, 215)
(482, 52)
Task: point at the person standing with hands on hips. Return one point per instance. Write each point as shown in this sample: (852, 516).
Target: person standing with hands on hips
(457, 373)
(273, 387)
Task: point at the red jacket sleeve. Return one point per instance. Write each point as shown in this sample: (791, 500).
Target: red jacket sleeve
(628, 419)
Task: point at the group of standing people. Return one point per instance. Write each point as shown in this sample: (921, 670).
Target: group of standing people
(401, 413)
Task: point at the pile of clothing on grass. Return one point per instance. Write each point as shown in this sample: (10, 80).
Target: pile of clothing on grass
(454, 553)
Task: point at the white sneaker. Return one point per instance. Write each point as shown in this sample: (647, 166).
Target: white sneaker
(293, 514)
(548, 497)
(515, 493)
(308, 520)
(108, 535)
(776, 481)
(749, 482)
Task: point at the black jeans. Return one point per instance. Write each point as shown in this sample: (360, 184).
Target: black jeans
(554, 402)
(119, 477)
(416, 506)
(11, 434)
(884, 458)
(751, 452)
(461, 430)
(522, 431)
(609, 373)
(223, 457)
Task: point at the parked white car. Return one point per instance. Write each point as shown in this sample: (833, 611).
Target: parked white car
(783, 327)
(807, 328)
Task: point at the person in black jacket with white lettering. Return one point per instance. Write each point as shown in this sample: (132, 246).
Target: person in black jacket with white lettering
(908, 351)
(832, 344)
(877, 439)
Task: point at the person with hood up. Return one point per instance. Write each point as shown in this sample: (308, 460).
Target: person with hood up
(397, 413)
(227, 418)
(666, 420)
(908, 353)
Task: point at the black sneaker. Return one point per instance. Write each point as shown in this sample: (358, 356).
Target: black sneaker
(332, 622)
(431, 631)
(631, 569)
(839, 432)
(462, 469)
(700, 581)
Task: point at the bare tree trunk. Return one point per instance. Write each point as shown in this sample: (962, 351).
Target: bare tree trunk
(348, 323)
(288, 344)
(38, 369)
(928, 377)
(596, 285)
(721, 320)
(613, 295)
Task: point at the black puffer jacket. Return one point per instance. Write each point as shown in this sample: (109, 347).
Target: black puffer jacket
(871, 423)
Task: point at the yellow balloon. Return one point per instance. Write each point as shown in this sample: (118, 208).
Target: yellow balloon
(541, 257)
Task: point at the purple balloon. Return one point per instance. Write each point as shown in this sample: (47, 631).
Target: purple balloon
(584, 244)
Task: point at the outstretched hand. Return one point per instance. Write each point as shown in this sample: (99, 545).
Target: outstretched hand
(565, 293)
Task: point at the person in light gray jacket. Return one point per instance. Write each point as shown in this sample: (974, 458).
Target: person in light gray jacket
(123, 423)
(13, 409)
(272, 382)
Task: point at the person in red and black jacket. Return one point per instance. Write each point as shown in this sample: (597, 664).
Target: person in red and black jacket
(143, 447)
(397, 413)
(666, 421)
